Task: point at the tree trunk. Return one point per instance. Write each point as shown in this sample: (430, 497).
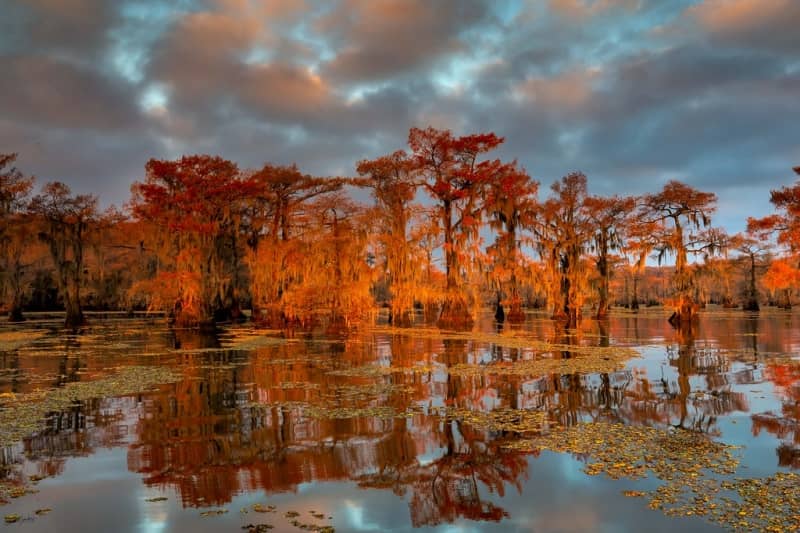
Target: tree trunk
(602, 302)
(431, 312)
(515, 314)
(401, 318)
(572, 318)
(15, 313)
(570, 288)
(685, 314)
(752, 292)
(455, 311)
(74, 316)
(499, 312)
(635, 301)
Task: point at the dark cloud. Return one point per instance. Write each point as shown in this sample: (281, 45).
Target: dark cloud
(43, 90)
(632, 92)
(93, 162)
(382, 39)
(762, 24)
(75, 28)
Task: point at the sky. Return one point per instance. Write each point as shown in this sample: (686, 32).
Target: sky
(631, 92)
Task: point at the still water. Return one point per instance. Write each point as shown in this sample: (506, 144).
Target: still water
(350, 432)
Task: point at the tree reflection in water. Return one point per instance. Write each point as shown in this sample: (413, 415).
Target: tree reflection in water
(786, 425)
(239, 422)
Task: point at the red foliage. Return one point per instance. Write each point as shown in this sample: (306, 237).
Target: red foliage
(450, 170)
(197, 203)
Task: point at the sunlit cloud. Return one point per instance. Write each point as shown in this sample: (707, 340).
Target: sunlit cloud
(614, 87)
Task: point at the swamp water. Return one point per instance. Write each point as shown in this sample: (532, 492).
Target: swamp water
(622, 426)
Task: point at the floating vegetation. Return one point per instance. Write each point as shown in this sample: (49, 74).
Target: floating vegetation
(317, 361)
(24, 414)
(302, 385)
(761, 504)
(766, 504)
(513, 339)
(17, 489)
(589, 362)
(339, 413)
(331, 413)
(685, 462)
(620, 450)
(213, 512)
(311, 527)
(373, 371)
(367, 391)
(585, 364)
(42, 512)
(257, 507)
(293, 516)
(516, 420)
(560, 358)
(257, 528)
(250, 339)
(11, 518)
(12, 340)
(634, 493)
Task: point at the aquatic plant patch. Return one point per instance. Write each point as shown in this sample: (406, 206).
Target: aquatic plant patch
(24, 414)
(694, 472)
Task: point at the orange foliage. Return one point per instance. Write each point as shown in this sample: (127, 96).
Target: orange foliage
(392, 182)
(16, 230)
(681, 216)
(450, 170)
(67, 220)
(512, 206)
(782, 276)
(196, 204)
(563, 233)
(208, 238)
(611, 218)
(281, 238)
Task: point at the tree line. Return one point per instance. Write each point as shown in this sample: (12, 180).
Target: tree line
(449, 228)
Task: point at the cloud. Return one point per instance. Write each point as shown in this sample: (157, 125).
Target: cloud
(283, 92)
(581, 9)
(631, 92)
(770, 24)
(567, 91)
(89, 161)
(75, 28)
(42, 90)
(201, 52)
(382, 39)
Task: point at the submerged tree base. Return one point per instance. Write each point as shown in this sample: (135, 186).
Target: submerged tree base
(74, 318)
(455, 314)
(751, 305)
(685, 314)
(270, 317)
(515, 314)
(401, 318)
(15, 315)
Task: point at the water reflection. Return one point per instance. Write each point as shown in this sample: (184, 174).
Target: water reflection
(785, 422)
(239, 422)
